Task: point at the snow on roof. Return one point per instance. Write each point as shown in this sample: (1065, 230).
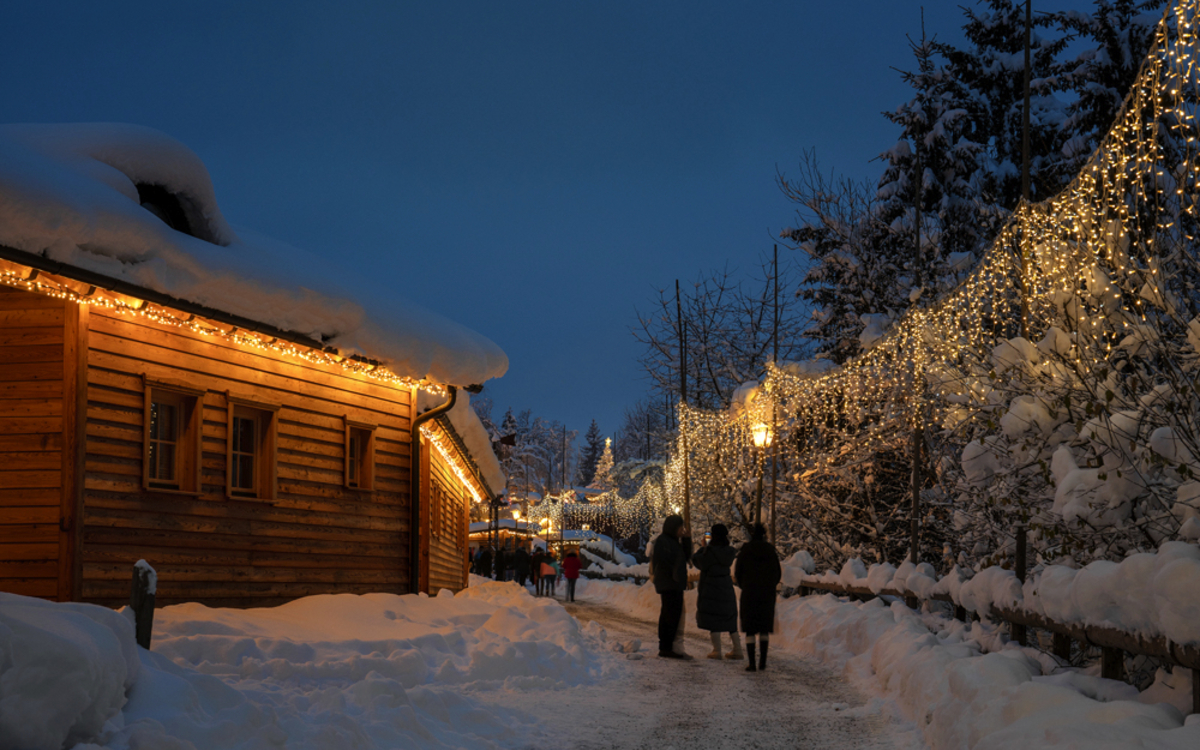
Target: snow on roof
(474, 436)
(71, 194)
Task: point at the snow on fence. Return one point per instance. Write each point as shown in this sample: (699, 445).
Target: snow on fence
(1147, 605)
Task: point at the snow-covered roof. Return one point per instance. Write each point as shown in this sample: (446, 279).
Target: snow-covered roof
(473, 435)
(70, 193)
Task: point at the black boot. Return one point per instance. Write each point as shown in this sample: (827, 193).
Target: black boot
(762, 657)
(750, 654)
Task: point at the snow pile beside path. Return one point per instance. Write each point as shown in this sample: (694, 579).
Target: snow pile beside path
(64, 671)
(373, 671)
(963, 698)
(609, 568)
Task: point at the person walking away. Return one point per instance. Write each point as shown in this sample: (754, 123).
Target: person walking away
(521, 565)
(716, 603)
(555, 572)
(571, 566)
(668, 570)
(757, 572)
(500, 563)
(535, 570)
(485, 562)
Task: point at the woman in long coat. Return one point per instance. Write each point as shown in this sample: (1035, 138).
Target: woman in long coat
(757, 572)
(716, 604)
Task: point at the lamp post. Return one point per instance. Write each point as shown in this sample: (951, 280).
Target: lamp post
(517, 523)
(761, 435)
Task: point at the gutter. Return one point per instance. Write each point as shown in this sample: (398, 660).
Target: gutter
(414, 524)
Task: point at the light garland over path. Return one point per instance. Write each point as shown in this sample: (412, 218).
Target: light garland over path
(1088, 433)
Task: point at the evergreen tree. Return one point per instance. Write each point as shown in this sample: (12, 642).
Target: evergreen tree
(1119, 35)
(591, 455)
(992, 68)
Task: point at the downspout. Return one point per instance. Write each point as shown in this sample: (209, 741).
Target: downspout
(415, 487)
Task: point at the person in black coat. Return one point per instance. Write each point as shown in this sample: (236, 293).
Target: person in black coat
(521, 565)
(483, 564)
(757, 572)
(501, 564)
(668, 570)
(535, 570)
(716, 604)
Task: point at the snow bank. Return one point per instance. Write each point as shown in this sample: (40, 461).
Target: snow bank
(64, 671)
(961, 697)
(69, 192)
(373, 671)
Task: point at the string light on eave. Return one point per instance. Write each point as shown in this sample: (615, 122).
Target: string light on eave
(30, 280)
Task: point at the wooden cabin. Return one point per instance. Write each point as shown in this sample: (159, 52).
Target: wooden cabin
(248, 467)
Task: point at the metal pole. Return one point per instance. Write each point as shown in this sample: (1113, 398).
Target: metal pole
(774, 443)
(687, 498)
(1025, 177)
(758, 495)
(918, 440)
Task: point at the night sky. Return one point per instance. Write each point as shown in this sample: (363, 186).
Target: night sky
(535, 171)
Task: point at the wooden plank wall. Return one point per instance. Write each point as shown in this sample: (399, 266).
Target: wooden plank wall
(447, 549)
(315, 537)
(31, 443)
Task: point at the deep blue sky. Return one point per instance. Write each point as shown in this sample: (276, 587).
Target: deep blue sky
(532, 170)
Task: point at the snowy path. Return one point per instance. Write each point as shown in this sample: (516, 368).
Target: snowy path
(659, 704)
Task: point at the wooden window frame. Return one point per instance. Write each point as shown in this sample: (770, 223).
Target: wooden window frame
(266, 416)
(366, 481)
(189, 445)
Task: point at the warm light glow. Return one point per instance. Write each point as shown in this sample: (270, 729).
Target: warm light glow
(761, 434)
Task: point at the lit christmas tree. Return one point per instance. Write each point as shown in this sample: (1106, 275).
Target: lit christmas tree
(602, 480)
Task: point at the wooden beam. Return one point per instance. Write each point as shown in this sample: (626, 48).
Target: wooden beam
(74, 432)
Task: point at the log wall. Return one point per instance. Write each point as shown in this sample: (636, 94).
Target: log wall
(315, 536)
(447, 502)
(37, 508)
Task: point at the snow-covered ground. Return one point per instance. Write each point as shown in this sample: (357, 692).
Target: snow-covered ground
(496, 667)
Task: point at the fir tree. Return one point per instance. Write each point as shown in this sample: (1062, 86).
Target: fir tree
(591, 454)
(992, 69)
(1119, 35)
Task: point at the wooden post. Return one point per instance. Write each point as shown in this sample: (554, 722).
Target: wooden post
(1025, 177)
(774, 425)
(1019, 633)
(141, 601)
(1112, 663)
(1062, 646)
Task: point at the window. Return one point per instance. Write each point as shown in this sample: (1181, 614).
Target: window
(171, 438)
(251, 449)
(360, 456)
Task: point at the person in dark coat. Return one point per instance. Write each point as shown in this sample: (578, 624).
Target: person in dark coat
(716, 604)
(485, 563)
(757, 572)
(535, 570)
(668, 570)
(521, 565)
(501, 564)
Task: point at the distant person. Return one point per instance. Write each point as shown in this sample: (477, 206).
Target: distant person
(757, 573)
(549, 575)
(716, 602)
(535, 570)
(501, 564)
(521, 565)
(571, 566)
(668, 570)
(485, 562)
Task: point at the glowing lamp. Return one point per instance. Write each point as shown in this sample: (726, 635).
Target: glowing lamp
(761, 434)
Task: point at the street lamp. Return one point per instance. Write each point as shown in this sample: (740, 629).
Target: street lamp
(516, 514)
(760, 433)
